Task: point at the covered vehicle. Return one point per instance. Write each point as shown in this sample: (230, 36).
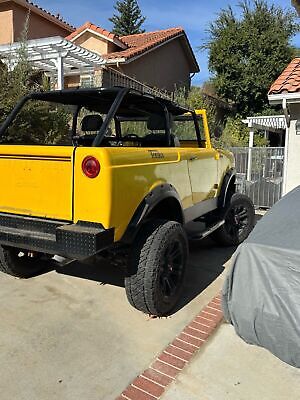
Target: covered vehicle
(261, 295)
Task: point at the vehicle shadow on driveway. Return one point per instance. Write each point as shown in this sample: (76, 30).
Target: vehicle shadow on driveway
(206, 263)
(95, 269)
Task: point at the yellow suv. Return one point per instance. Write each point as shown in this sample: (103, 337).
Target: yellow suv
(135, 171)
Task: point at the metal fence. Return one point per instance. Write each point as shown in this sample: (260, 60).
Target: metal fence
(260, 173)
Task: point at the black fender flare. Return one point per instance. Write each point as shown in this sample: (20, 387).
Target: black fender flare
(229, 178)
(153, 199)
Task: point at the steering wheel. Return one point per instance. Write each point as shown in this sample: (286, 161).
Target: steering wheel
(130, 136)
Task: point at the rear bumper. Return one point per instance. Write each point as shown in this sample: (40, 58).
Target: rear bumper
(77, 241)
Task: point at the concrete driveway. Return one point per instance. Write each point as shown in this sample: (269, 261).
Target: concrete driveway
(227, 368)
(72, 334)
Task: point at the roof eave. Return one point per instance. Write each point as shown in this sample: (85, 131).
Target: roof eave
(192, 55)
(43, 13)
(127, 60)
(275, 99)
(114, 61)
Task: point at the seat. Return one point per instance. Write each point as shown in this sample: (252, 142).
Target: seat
(159, 139)
(90, 123)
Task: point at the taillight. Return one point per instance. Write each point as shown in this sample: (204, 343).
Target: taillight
(91, 167)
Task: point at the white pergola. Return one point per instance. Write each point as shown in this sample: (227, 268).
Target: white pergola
(54, 55)
(270, 123)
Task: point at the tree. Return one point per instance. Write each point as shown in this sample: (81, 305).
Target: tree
(130, 18)
(38, 122)
(247, 53)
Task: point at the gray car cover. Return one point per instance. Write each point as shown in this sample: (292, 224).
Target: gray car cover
(261, 294)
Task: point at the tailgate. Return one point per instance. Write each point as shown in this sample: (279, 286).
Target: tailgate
(37, 181)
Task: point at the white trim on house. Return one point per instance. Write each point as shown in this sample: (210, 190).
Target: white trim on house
(56, 56)
(289, 97)
(272, 123)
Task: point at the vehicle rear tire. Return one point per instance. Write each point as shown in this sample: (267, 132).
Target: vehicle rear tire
(157, 267)
(19, 263)
(239, 218)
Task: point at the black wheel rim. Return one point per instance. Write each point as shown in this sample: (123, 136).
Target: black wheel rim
(172, 270)
(237, 220)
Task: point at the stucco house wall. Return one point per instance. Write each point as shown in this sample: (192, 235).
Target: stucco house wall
(6, 24)
(165, 67)
(292, 152)
(12, 22)
(95, 43)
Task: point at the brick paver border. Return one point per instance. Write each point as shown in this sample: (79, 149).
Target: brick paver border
(152, 383)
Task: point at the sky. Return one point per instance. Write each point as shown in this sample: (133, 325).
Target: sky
(193, 15)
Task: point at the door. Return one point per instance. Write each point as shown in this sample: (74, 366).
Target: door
(202, 160)
(203, 170)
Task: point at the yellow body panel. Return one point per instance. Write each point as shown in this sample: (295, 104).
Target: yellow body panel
(36, 181)
(127, 176)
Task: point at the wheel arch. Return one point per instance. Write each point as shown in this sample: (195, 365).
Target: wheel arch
(163, 202)
(228, 187)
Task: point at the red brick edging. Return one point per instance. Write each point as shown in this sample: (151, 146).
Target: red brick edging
(152, 383)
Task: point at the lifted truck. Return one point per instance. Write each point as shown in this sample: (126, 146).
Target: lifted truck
(137, 170)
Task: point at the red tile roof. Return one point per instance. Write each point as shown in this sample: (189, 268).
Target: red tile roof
(138, 44)
(289, 80)
(135, 45)
(95, 28)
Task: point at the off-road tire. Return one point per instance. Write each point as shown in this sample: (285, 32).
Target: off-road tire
(239, 216)
(20, 267)
(151, 273)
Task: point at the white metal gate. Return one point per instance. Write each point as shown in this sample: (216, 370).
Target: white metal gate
(260, 173)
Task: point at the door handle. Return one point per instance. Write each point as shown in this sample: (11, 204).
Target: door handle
(193, 158)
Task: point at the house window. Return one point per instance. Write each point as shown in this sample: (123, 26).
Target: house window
(86, 81)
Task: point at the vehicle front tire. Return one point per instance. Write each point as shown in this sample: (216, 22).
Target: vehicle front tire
(19, 263)
(239, 216)
(157, 267)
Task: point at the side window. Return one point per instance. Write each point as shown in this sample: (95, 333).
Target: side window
(136, 128)
(184, 129)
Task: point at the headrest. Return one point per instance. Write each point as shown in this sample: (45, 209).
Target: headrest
(91, 123)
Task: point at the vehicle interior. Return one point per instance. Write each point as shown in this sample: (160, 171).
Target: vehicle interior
(115, 117)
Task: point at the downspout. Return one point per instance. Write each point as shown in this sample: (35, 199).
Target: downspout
(286, 147)
(286, 112)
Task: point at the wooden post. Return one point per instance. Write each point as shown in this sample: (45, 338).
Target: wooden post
(60, 72)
